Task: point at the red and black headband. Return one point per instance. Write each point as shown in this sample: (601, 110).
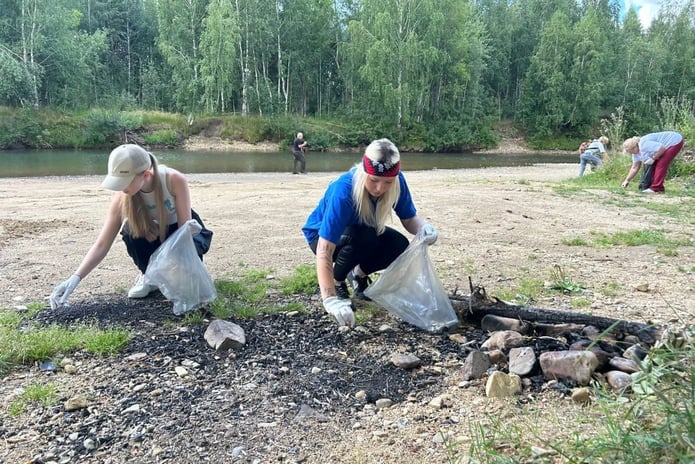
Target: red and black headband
(376, 168)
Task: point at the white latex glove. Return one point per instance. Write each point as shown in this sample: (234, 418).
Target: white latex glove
(428, 233)
(341, 309)
(60, 294)
(649, 161)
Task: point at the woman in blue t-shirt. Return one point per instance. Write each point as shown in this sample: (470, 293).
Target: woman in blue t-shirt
(347, 230)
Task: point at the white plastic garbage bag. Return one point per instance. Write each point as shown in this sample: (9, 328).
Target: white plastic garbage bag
(178, 271)
(410, 289)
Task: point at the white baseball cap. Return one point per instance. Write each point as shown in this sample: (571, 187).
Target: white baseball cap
(126, 162)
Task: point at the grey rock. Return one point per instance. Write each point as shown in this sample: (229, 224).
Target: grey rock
(522, 360)
(581, 395)
(405, 361)
(75, 403)
(569, 365)
(383, 403)
(307, 412)
(618, 380)
(475, 365)
(492, 323)
(625, 365)
(224, 335)
(503, 339)
(635, 352)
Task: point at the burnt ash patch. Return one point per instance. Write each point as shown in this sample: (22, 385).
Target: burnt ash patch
(281, 350)
(289, 362)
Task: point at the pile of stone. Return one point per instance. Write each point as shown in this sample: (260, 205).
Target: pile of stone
(518, 354)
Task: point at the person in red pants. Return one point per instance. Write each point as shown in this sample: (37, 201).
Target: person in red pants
(655, 151)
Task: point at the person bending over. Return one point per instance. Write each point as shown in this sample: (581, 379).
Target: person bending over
(347, 230)
(592, 154)
(151, 202)
(655, 151)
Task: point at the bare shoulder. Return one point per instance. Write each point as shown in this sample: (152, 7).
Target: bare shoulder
(176, 180)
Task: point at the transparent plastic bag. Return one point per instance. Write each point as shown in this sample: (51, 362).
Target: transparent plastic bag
(410, 289)
(177, 270)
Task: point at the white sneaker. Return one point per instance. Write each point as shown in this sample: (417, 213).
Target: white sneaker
(141, 289)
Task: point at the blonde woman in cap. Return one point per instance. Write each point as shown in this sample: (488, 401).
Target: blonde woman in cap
(150, 203)
(347, 230)
(655, 151)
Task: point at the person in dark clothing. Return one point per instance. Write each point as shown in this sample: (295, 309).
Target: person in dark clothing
(298, 147)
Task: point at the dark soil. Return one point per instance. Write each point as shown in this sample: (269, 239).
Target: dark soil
(294, 368)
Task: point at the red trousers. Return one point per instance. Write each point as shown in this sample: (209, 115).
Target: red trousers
(661, 166)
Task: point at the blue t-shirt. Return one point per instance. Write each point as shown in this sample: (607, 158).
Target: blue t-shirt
(336, 210)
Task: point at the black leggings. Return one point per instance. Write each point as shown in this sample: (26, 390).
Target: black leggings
(361, 245)
(140, 249)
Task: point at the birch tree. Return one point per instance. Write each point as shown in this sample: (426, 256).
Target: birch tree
(180, 27)
(218, 50)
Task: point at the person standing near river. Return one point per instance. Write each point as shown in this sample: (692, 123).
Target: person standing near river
(655, 151)
(151, 202)
(347, 230)
(298, 147)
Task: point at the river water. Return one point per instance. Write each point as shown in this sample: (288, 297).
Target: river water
(40, 163)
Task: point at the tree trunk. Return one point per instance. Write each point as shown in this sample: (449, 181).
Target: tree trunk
(479, 304)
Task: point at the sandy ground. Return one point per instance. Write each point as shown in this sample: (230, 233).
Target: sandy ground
(500, 226)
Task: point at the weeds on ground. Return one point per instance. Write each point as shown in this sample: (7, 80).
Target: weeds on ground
(25, 344)
(530, 288)
(302, 280)
(35, 393)
(247, 297)
(562, 282)
(657, 238)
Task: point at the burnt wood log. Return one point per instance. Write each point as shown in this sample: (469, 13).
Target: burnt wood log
(479, 304)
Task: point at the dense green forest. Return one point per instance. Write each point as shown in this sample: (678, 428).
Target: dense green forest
(437, 74)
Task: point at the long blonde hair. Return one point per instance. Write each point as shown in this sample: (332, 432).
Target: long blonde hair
(630, 144)
(376, 217)
(135, 211)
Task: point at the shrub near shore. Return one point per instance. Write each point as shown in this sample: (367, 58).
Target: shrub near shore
(103, 128)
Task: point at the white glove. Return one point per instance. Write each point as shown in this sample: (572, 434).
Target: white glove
(341, 309)
(428, 233)
(649, 161)
(60, 294)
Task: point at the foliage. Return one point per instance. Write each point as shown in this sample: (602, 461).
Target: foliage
(18, 127)
(526, 292)
(613, 127)
(218, 41)
(248, 296)
(658, 424)
(562, 282)
(104, 127)
(166, 137)
(302, 280)
(25, 345)
(34, 393)
(432, 75)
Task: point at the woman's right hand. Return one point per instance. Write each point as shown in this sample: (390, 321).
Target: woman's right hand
(62, 292)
